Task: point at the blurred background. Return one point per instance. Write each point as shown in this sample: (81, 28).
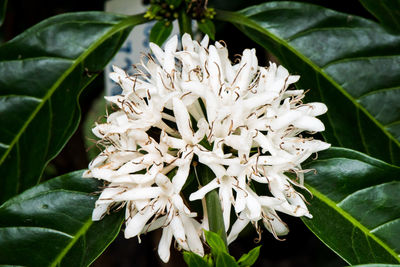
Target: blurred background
(301, 247)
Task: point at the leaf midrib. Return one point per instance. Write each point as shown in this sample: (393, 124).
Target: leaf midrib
(80, 233)
(239, 19)
(133, 20)
(74, 238)
(351, 219)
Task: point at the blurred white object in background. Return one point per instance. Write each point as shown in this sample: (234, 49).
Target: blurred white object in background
(136, 43)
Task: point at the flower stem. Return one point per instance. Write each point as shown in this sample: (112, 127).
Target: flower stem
(214, 210)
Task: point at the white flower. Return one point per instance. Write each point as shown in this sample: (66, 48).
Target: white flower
(240, 120)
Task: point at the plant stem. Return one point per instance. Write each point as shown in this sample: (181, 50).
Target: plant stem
(214, 210)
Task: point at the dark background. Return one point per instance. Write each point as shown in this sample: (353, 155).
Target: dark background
(301, 247)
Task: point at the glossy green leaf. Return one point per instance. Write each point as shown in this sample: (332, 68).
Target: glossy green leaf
(185, 22)
(51, 224)
(355, 205)
(387, 11)
(215, 242)
(223, 259)
(207, 27)
(42, 72)
(194, 260)
(250, 258)
(3, 9)
(160, 32)
(376, 265)
(349, 63)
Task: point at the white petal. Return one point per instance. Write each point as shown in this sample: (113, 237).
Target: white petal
(187, 42)
(225, 193)
(292, 79)
(253, 207)
(313, 109)
(139, 193)
(99, 211)
(159, 223)
(247, 69)
(192, 235)
(204, 42)
(199, 194)
(164, 182)
(237, 227)
(87, 174)
(130, 167)
(271, 160)
(292, 209)
(285, 119)
(172, 142)
(309, 123)
(165, 244)
(260, 99)
(158, 52)
(97, 161)
(275, 225)
(179, 232)
(169, 58)
(270, 201)
(136, 224)
(215, 71)
(109, 194)
(118, 70)
(182, 120)
(240, 202)
(182, 174)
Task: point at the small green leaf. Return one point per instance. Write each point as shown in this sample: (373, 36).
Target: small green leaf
(160, 32)
(376, 265)
(387, 11)
(209, 259)
(207, 27)
(250, 258)
(185, 23)
(3, 9)
(215, 242)
(51, 224)
(225, 260)
(194, 260)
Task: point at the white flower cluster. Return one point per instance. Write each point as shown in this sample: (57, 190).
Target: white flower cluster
(240, 120)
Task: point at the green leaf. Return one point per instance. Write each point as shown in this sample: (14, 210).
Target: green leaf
(355, 205)
(250, 258)
(185, 23)
(51, 224)
(377, 265)
(160, 32)
(42, 72)
(225, 260)
(387, 11)
(3, 9)
(194, 260)
(215, 242)
(207, 27)
(349, 63)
